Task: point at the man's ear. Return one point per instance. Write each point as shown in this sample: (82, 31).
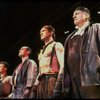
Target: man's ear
(5, 68)
(29, 52)
(87, 15)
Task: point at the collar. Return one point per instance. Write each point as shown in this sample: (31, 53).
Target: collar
(84, 26)
(81, 29)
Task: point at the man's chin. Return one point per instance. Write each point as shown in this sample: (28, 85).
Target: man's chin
(20, 55)
(41, 38)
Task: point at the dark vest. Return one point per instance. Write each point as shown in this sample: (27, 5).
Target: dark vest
(22, 76)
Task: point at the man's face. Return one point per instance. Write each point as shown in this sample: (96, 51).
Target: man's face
(45, 34)
(23, 52)
(79, 17)
(2, 68)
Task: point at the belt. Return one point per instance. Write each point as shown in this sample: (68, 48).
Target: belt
(47, 76)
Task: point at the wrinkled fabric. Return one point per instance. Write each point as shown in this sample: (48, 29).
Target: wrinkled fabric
(89, 61)
(57, 93)
(25, 79)
(46, 86)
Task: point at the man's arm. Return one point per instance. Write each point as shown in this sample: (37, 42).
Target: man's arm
(60, 56)
(31, 76)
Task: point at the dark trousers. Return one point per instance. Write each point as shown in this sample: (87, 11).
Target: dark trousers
(46, 86)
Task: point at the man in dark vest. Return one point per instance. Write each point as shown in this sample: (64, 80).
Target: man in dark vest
(24, 75)
(82, 58)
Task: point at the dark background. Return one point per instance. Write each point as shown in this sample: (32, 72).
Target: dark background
(20, 23)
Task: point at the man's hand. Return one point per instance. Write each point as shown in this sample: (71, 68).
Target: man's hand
(58, 87)
(26, 93)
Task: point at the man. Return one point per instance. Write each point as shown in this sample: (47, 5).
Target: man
(24, 75)
(5, 85)
(51, 60)
(82, 58)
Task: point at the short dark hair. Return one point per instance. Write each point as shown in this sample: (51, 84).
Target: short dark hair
(84, 9)
(5, 63)
(51, 29)
(29, 49)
